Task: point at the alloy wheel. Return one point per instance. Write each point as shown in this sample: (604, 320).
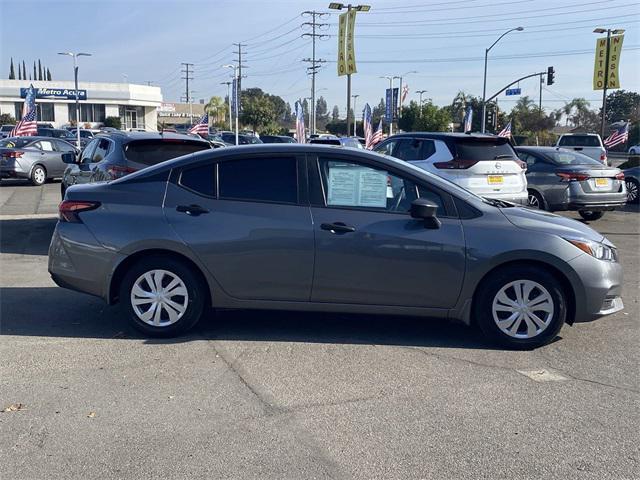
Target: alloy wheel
(39, 176)
(159, 298)
(523, 309)
(533, 200)
(632, 191)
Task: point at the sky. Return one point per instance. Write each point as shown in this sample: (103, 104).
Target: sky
(442, 41)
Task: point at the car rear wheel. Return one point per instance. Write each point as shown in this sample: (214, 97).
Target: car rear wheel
(162, 296)
(632, 190)
(520, 307)
(535, 200)
(590, 215)
(38, 175)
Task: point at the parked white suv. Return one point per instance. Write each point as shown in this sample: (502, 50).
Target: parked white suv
(486, 165)
(589, 144)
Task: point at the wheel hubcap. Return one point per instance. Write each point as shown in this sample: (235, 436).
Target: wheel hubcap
(159, 298)
(533, 201)
(522, 309)
(39, 175)
(632, 191)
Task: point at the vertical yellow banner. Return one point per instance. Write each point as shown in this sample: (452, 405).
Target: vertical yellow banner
(351, 51)
(615, 49)
(342, 34)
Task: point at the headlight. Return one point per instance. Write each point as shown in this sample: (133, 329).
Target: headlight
(595, 249)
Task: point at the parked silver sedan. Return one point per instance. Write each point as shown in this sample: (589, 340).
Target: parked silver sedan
(34, 158)
(304, 227)
(560, 179)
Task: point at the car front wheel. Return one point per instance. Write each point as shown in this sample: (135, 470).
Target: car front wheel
(590, 215)
(162, 296)
(520, 307)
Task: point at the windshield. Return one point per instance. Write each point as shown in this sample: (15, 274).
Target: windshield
(15, 142)
(565, 157)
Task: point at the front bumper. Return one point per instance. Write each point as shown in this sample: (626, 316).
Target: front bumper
(599, 288)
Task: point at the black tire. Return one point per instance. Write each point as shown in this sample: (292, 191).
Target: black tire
(590, 215)
(633, 188)
(535, 200)
(195, 292)
(489, 289)
(38, 175)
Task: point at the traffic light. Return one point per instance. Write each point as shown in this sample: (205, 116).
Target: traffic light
(550, 75)
(490, 117)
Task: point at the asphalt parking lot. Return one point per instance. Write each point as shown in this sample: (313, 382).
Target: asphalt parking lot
(255, 394)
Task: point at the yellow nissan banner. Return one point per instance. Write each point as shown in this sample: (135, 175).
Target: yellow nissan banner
(351, 52)
(342, 34)
(615, 49)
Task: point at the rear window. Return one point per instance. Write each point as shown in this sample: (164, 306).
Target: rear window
(579, 141)
(7, 128)
(15, 142)
(484, 150)
(325, 141)
(151, 152)
(571, 158)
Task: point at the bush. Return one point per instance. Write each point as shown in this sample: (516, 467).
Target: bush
(6, 119)
(113, 122)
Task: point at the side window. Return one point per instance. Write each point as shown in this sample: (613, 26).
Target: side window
(260, 179)
(88, 151)
(201, 180)
(348, 184)
(64, 146)
(46, 146)
(102, 149)
(525, 157)
(387, 148)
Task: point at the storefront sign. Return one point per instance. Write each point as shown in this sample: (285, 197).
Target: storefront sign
(167, 107)
(66, 93)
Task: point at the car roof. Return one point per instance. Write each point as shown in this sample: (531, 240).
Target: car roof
(444, 135)
(580, 134)
(128, 136)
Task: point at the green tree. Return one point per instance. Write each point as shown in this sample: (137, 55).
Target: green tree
(24, 70)
(377, 113)
(217, 108)
(113, 122)
(335, 113)
(35, 76)
(7, 119)
(39, 70)
(12, 73)
(622, 105)
(48, 75)
(257, 111)
(429, 118)
(322, 113)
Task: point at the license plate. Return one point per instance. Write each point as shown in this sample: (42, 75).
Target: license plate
(602, 182)
(495, 179)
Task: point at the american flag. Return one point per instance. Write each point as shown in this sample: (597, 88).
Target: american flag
(506, 131)
(300, 135)
(202, 127)
(368, 128)
(405, 92)
(621, 135)
(28, 125)
(377, 137)
(468, 117)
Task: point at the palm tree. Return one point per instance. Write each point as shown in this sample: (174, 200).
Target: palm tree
(214, 106)
(458, 105)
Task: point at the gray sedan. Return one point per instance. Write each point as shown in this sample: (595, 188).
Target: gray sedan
(35, 158)
(304, 227)
(560, 179)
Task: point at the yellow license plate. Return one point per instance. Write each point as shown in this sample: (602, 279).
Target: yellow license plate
(602, 182)
(495, 179)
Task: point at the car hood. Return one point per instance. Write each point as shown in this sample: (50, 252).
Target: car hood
(542, 221)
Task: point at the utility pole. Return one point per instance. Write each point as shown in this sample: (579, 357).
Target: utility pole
(239, 53)
(540, 100)
(187, 76)
(228, 84)
(315, 63)
(420, 92)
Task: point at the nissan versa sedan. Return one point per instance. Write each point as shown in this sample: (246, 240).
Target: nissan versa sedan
(319, 228)
(560, 179)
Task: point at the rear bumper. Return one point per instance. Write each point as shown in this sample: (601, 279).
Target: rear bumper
(13, 172)
(595, 206)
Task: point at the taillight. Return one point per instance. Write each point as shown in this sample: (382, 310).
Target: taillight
(455, 164)
(117, 171)
(620, 176)
(12, 154)
(69, 209)
(572, 176)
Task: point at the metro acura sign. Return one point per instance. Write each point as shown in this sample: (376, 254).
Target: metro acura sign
(68, 93)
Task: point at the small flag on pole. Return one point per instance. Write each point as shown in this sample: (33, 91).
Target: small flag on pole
(202, 127)
(377, 137)
(300, 135)
(468, 117)
(506, 131)
(27, 125)
(621, 135)
(368, 128)
(405, 92)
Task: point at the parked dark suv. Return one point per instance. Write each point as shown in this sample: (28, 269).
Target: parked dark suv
(116, 154)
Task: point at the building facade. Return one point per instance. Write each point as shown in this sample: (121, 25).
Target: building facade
(135, 105)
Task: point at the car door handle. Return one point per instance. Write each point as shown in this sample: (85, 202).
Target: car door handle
(193, 210)
(337, 227)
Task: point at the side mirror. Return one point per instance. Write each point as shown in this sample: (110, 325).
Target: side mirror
(422, 208)
(69, 157)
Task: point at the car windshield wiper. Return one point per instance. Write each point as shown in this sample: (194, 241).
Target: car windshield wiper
(497, 203)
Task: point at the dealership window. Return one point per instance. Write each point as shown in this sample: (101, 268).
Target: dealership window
(45, 111)
(131, 117)
(89, 112)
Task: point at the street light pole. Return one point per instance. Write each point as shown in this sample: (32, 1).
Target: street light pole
(609, 31)
(75, 76)
(400, 90)
(355, 121)
(484, 84)
(235, 96)
(421, 92)
(228, 84)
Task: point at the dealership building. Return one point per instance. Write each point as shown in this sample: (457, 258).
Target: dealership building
(135, 105)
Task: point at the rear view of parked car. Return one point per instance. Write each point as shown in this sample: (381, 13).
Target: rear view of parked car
(560, 179)
(117, 154)
(37, 159)
(277, 139)
(589, 144)
(483, 164)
